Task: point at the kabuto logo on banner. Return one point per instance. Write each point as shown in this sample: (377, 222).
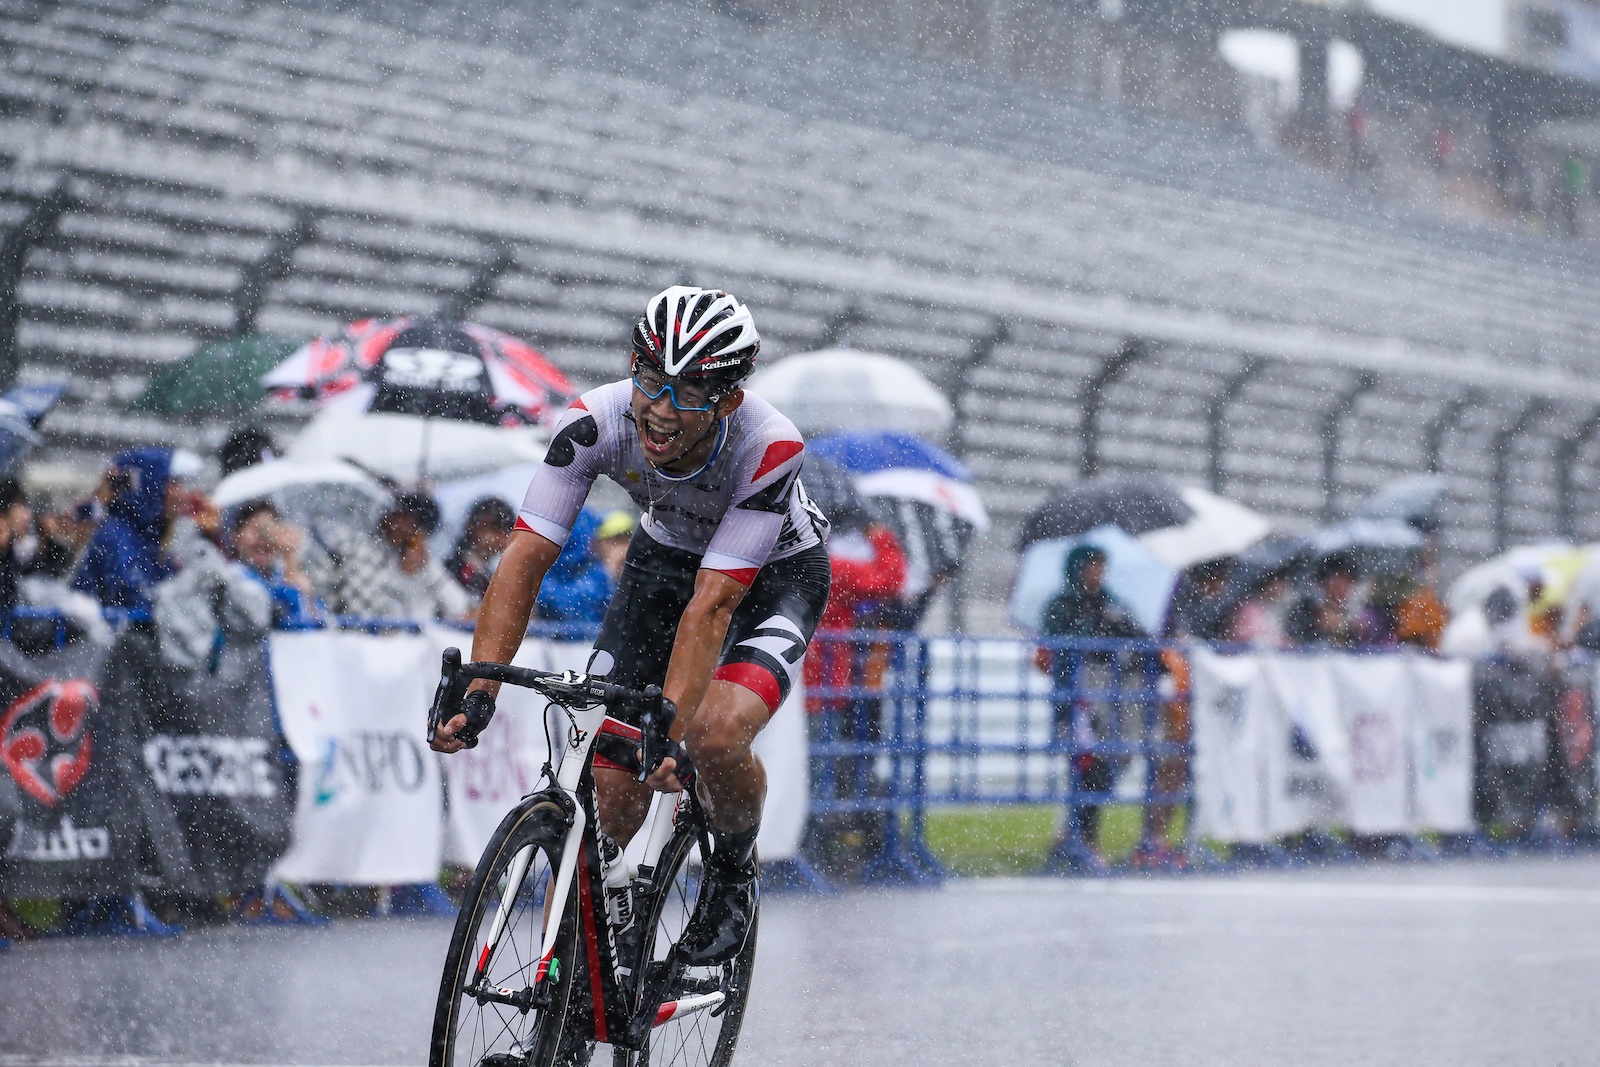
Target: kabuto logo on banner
(63, 844)
(44, 738)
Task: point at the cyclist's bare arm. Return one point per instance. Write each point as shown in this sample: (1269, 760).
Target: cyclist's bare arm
(695, 651)
(503, 618)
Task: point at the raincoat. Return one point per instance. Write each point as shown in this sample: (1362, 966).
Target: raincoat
(1076, 612)
(124, 558)
(577, 588)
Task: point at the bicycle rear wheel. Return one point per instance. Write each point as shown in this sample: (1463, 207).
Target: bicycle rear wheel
(706, 1038)
(485, 1015)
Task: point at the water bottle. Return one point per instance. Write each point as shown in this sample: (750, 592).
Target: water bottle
(618, 882)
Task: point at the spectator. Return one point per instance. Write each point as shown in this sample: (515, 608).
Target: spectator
(392, 575)
(246, 446)
(868, 569)
(427, 591)
(18, 543)
(483, 537)
(1261, 617)
(577, 588)
(206, 603)
(1083, 608)
(611, 542)
(124, 558)
(267, 550)
(1332, 614)
(1201, 608)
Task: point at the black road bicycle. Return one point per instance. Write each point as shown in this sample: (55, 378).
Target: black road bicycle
(560, 946)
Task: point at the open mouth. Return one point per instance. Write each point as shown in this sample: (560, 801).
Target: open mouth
(658, 440)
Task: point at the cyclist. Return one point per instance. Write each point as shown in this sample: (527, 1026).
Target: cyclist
(722, 586)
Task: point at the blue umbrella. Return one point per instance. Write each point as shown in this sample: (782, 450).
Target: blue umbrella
(867, 452)
(923, 492)
(1134, 576)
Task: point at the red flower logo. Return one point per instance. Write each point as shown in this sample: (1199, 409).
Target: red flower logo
(44, 739)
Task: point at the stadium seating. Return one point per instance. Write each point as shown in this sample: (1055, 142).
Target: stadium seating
(234, 165)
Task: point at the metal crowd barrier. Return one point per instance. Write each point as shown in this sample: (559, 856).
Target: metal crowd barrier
(902, 722)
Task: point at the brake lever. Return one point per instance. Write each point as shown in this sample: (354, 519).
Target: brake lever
(447, 697)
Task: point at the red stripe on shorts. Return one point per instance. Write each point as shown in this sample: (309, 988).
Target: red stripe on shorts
(758, 680)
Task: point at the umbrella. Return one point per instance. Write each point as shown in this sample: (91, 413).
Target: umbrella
(21, 411)
(327, 498)
(411, 366)
(1135, 505)
(1414, 500)
(830, 487)
(1374, 544)
(398, 447)
(842, 389)
(903, 466)
(1217, 528)
(223, 378)
(1556, 565)
(921, 491)
(1135, 576)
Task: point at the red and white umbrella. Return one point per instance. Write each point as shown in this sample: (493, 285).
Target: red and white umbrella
(428, 367)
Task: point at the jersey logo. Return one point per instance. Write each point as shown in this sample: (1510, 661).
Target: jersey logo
(584, 431)
(778, 453)
(774, 499)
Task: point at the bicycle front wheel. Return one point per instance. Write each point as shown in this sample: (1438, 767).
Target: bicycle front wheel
(706, 1038)
(500, 1002)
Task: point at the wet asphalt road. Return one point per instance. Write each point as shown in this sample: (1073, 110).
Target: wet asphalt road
(1471, 963)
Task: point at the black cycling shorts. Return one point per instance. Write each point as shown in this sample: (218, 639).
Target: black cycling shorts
(766, 638)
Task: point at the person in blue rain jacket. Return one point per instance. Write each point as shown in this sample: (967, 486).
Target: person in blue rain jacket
(124, 559)
(577, 588)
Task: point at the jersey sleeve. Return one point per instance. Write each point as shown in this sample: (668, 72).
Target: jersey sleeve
(563, 480)
(756, 513)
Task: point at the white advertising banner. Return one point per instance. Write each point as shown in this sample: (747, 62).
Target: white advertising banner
(485, 782)
(352, 707)
(1375, 697)
(1372, 744)
(1308, 752)
(372, 808)
(1231, 706)
(1441, 744)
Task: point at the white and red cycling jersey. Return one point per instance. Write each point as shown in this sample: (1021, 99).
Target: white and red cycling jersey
(742, 509)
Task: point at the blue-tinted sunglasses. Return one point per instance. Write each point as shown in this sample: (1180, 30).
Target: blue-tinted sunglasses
(685, 396)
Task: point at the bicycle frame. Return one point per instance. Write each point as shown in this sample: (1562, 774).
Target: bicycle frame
(613, 978)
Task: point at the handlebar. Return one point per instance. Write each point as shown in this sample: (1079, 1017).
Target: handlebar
(571, 689)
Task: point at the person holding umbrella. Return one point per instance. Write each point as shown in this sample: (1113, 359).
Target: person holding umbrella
(1083, 608)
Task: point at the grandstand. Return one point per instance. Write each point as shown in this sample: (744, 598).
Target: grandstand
(1105, 289)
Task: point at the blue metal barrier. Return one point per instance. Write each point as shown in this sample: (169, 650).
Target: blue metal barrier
(902, 721)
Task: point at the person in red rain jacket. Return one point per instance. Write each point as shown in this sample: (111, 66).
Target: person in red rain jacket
(869, 568)
(869, 571)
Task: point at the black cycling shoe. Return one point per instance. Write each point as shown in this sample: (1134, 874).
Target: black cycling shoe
(722, 917)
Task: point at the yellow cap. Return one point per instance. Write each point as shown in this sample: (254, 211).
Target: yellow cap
(617, 524)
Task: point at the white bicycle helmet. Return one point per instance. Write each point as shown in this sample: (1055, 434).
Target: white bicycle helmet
(694, 333)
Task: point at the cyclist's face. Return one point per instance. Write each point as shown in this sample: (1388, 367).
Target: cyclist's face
(670, 434)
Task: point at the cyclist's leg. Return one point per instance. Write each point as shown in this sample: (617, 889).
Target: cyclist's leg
(632, 649)
(767, 639)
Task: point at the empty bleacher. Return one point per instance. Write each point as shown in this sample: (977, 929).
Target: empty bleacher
(231, 165)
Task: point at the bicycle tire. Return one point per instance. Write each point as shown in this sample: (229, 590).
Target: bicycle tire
(467, 1032)
(703, 1039)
